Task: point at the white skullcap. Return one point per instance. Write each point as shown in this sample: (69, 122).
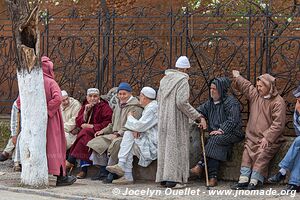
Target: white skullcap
(92, 91)
(182, 62)
(64, 93)
(149, 92)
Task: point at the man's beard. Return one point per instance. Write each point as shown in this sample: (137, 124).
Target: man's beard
(215, 98)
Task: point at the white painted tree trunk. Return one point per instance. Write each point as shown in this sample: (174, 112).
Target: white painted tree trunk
(33, 128)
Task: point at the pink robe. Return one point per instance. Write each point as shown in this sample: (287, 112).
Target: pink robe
(56, 141)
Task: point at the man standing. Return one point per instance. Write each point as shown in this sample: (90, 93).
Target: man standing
(56, 140)
(70, 108)
(173, 126)
(107, 141)
(140, 139)
(291, 161)
(264, 129)
(222, 111)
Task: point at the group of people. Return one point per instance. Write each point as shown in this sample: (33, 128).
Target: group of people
(109, 130)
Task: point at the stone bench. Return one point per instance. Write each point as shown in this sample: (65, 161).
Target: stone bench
(230, 170)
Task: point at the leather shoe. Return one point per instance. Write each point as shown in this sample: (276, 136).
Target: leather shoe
(65, 180)
(212, 182)
(291, 187)
(110, 177)
(163, 183)
(196, 171)
(251, 186)
(100, 175)
(81, 175)
(276, 178)
(4, 156)
(170, 184)
(239, 186)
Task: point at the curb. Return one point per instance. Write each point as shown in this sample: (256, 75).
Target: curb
(46, 193)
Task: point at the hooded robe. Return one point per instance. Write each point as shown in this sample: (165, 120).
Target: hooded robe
(174, 112)
(224, 115)
(266, 120)
(56, 140)
(69, 115)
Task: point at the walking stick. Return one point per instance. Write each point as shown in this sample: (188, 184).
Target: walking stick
(204, 157)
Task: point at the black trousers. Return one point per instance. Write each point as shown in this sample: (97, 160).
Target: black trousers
(72, 160)
(213, 166)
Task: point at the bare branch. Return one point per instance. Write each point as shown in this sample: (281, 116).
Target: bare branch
(276, 28)
(11, 5)
(293, 14)
(9, 2)
(256, 5)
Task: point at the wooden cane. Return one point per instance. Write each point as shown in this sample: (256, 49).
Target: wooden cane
(204, 156)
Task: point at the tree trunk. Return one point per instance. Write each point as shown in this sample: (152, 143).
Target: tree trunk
(32, 93)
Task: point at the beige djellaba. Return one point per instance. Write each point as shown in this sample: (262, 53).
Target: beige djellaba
(173, 127)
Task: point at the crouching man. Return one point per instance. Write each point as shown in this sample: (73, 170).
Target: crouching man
(140, 139)
(264, 129)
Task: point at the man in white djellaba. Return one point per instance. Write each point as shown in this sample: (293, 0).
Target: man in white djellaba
(140, 139)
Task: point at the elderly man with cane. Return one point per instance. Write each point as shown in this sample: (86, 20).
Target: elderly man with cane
(222, 111)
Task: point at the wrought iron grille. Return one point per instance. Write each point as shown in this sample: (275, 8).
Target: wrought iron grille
(136, 46)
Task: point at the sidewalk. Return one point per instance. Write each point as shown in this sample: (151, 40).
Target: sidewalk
(87, 189)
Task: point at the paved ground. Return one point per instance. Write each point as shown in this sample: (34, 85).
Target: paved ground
(87, 189)
(8, 195)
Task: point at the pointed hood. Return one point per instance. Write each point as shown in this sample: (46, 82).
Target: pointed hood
(222, 84)
(47, 67)
(269, 81)
(170, 80)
